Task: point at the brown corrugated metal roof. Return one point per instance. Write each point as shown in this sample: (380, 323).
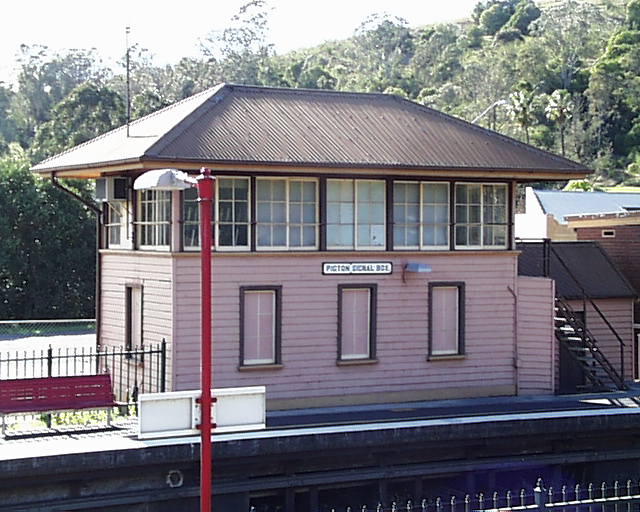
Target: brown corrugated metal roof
(262, 125)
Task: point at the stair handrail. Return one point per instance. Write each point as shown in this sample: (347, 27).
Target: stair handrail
(589, 339)
(547, 243)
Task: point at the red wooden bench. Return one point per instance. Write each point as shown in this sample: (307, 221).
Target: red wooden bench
(54, 394)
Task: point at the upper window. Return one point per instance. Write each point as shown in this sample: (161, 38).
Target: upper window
(190, 219)
(116, 223)
(286, 213)
(420, 215)
(355, 214)
(154, 224)
(233, 212)
(481, 215)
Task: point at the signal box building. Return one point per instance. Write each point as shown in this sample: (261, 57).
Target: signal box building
(363, 247)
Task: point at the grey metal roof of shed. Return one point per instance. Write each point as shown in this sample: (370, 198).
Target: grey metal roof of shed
(561, 204)
(588, 262)
(263, 125)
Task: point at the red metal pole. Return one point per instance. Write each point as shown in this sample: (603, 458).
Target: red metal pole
(205, 200)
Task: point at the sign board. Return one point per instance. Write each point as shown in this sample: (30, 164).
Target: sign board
(357, 268)
(177, 413)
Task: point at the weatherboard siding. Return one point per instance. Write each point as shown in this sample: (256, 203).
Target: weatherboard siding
(619, 313)
(309, 326)
(536, 341)
(154, 273)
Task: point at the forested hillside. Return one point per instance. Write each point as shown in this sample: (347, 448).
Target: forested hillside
(562, 75)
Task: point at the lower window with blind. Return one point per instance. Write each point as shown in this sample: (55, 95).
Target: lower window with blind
(356, 323)
(446, 320)
(260, 326)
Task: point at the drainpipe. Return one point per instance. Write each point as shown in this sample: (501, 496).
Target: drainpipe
(95, 209)
(516, 362)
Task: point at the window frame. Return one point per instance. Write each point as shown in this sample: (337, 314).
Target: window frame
(288, 224)
(421, 222)
(373, 317)
(157, 225)
(122, 225)
(482, 224)
(460, 353)
(277, 349)
(354, 245)
(184, 222)
(129, 312)
(218, 222)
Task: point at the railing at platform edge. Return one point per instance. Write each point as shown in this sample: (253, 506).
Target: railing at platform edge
(617, 497)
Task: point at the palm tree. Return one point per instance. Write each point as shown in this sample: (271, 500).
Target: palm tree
(521, 105)
(559, 110)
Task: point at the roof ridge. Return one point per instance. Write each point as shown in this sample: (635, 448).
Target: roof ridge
(124, 127)
(307, 90)
(174, 132)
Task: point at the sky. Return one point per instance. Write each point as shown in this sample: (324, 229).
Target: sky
(172, 30)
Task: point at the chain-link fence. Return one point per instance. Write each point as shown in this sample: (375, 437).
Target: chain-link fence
(16, 329)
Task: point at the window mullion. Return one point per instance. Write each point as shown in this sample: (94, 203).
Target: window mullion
(287, 220)
(421, 222)
(355, 214)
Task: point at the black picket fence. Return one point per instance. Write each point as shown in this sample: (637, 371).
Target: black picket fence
(618, 496)
(139, 370)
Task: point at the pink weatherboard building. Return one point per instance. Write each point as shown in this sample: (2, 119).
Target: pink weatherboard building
(363, 247)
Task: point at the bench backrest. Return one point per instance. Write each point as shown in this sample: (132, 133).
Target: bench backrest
(55, 393)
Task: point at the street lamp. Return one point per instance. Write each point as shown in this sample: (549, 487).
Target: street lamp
(493, 106)
(172, 179)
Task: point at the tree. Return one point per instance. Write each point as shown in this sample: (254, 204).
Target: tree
(89, 111)
(614, 89)
(522, 106)
(45, 79)
(574, 34)
(559, 110)
(46, 269)
(383, 47)
(8, 128)
(495, 17)
(241, 51)
(526, 12)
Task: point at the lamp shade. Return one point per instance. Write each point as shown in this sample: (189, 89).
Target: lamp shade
(164, 179)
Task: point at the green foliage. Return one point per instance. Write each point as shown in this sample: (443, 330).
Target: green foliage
(495, 17)
(241, 51)
(579, 186)
(88, 111)
(559, 110)
(473, 37)
(46, 79)
(522, 105)
(46, 268)
(507, 35)
(633, 14)
(525, 14)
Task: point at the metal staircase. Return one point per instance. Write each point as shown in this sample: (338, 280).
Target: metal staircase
(600, 374)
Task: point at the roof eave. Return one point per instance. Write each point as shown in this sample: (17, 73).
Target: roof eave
(146, 161)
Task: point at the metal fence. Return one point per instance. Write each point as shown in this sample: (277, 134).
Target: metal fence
(619, 496)
(140, 370)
